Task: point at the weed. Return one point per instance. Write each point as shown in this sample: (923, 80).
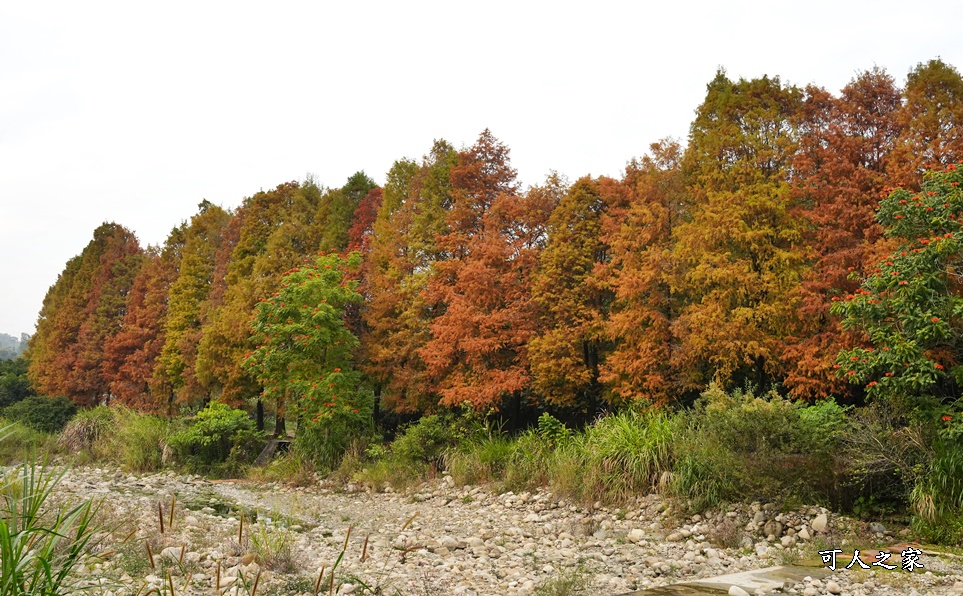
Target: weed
(727, 533)
(274, 547)
(566, 583)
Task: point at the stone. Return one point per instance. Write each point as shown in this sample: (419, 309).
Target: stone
(772, 528)
(674, 537)
(737, 591)
(821, 523)
(833, 588)
(877, 528)
(636, 536)
(804, 534)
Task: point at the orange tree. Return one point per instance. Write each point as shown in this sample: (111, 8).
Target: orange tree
(304, 356)
(910, 306)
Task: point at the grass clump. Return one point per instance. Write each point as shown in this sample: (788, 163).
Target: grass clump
(274, 547)
(20, 440)
(118, 435)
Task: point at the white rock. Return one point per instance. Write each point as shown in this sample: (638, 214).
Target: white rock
(636, 536)
(821, 522)
(737, 591)
(833, 588)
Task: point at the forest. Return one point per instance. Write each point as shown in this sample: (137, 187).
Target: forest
(796, 258)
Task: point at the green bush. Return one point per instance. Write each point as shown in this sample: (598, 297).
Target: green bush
(325, 441)
(219, 440)
(44, 414)
(740, 446)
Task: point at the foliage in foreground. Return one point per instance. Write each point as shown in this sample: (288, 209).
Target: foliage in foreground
(41, 544)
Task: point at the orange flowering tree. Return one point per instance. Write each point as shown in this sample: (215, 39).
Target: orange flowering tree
(911, 306)
(304, 354)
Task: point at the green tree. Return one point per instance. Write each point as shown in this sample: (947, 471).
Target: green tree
(911, 305)
(276, 230)
(337, 208)
(304, 355)
(14, 384)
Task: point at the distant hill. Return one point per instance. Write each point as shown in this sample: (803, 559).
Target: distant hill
(12, 347)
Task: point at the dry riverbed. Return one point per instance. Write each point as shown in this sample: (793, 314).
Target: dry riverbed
(442, 539)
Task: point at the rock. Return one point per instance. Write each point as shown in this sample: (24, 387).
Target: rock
(674, 537)
(804, 534)
(877, 528)
(247, 559)
(636, 536)
(833, 588)
(772, 528)
(762, 550)
(737, 591)
(820, 523)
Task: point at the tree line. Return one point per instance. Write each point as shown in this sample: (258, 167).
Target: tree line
(718, 260)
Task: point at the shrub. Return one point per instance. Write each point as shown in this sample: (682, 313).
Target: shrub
(219, 439)
(45, 414)
(740, 446)
(324, 440)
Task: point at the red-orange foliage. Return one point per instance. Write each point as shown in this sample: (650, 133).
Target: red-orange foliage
(478, 348)
(131, 355)
(646, 205)
(362, 223)
(839, 173)
(81, 312)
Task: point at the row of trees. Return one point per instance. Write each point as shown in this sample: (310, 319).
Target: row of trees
(719, 260)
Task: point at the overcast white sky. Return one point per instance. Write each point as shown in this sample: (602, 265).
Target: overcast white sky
(134, 112)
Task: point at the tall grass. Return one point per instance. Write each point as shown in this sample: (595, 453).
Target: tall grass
(20, 440)
(118, 435)
(937, 496)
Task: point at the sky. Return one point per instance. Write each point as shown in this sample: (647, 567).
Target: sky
(134, 112)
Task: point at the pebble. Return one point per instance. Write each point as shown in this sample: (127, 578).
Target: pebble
(458, 539)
